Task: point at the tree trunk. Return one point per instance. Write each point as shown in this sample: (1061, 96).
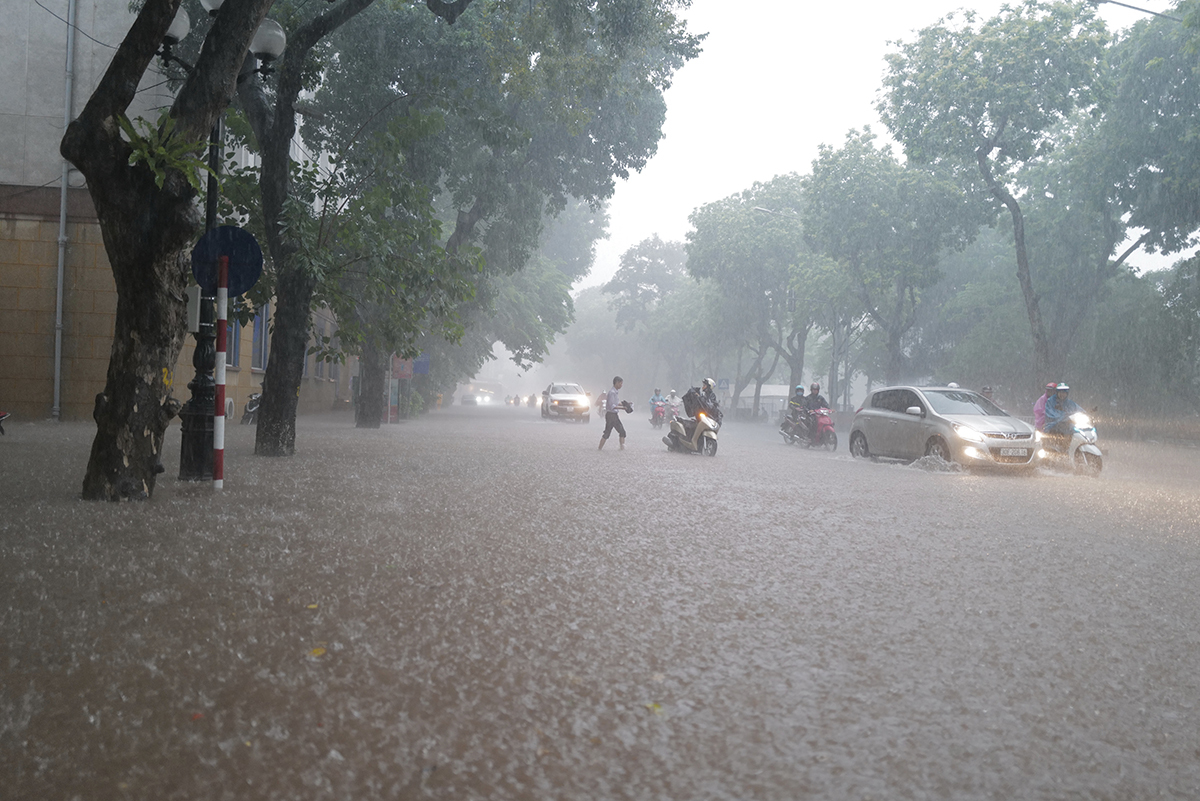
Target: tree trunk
(133, 411)
(274, 127)
(276, 433)
(1041, 344)
(369, 411)
(148, 223)
(834, 355)
(895, 363)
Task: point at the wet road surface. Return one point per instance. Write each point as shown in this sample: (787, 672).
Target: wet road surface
(478, 604)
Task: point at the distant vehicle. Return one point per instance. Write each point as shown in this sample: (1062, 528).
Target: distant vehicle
(954, 424)
(566, 401)
(469, 399)
(658, 413)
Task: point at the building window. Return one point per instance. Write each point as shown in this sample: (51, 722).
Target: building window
(233, 344)
(258, 358)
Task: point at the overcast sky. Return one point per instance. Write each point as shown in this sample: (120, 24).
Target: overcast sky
(776, 79)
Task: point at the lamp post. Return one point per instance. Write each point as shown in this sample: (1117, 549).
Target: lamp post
(196, 416)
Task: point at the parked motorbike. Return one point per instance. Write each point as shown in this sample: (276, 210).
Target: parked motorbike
(1079, 451)
(250, 415)
(658, 413)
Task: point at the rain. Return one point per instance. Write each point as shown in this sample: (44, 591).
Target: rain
(478, 603)
(475, 239)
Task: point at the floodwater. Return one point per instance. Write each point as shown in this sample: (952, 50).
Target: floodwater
(479, 605)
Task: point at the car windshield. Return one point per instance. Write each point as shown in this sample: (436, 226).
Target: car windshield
(566, 389)
(960, 401)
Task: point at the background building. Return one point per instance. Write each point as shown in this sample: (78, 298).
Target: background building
(55, 277)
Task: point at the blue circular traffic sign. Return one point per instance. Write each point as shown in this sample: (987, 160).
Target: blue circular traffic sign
(245, 259)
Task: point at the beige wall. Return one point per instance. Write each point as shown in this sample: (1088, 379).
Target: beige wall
(32, 61)
(28, 263)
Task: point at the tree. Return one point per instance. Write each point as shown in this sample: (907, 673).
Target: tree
(887, 224)
(272, 116)
(646, 289)
(750, 245)
(538, 107)
(983, 101)
(144, 184)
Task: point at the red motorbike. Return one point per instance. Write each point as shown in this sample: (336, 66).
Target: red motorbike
(658, 413)
(813, 430)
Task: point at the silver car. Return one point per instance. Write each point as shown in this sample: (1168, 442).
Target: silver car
(948, 422)
(568, 401)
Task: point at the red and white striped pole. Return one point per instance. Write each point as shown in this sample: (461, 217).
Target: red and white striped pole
(219, 372)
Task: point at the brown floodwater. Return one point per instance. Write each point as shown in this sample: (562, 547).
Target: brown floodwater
(478, 604)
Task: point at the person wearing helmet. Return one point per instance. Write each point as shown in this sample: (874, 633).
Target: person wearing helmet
(657, 397)
(814, 399)
(1059, 409)
(1039, 406)
(796, 404)
(708, 391)
(987, 393)
(796, 412)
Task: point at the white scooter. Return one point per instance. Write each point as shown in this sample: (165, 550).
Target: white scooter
(1081, 453)
(693, 435)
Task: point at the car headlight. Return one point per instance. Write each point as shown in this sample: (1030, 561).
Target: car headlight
(969, 434)
(1037, 435)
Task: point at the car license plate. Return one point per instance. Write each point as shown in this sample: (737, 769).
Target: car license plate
(1014, 451)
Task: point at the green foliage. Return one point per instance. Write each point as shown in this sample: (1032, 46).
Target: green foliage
(751, 246)
(162, 148)
(959, 90)
(886, 224)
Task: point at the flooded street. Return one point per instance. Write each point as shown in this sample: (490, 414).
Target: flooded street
(478, 604)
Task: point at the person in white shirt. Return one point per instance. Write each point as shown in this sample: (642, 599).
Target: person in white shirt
(612, 417)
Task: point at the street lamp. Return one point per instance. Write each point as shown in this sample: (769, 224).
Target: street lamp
(196, 416)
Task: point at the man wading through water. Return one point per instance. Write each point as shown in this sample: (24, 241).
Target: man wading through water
(612, 413)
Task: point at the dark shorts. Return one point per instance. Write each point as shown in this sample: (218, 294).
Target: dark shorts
(613, 420)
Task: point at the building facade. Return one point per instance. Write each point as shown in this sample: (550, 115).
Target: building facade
(57, 295)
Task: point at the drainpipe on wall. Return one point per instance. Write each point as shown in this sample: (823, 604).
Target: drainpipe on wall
(68, 108)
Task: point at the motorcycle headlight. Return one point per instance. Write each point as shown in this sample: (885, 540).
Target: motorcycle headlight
(969, 434)
(1080, 419)
(1037, 435)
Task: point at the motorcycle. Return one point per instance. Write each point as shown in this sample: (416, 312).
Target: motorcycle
(673, 408)
(1080, 451)
(697, 433)
(693, 435)
(815, 432)
(658, 413)
(250, 415)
